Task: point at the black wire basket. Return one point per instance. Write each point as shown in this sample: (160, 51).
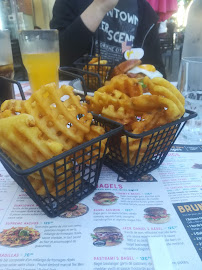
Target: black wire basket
(134, 155)
(93, 64)
(76, 172)
(79, 82)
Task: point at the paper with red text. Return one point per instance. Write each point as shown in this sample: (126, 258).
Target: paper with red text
(112, 233)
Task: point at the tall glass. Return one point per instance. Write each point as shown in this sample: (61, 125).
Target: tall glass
(6, 66)
(190, 85)
(40, 55)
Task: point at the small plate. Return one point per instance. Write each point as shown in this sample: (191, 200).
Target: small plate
(78, 88)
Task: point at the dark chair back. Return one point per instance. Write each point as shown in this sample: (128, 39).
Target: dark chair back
(166, 44)
(20, 71)
(167, 47)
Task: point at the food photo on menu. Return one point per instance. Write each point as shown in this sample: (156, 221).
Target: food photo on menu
(107, 236)
(143, 178)
(156, 215)
(18, 236)
(146, 178)
(197, 166)
(77, 210)
(105, 198)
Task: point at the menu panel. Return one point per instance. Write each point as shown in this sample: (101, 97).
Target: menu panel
(110, 228)
(191, 217)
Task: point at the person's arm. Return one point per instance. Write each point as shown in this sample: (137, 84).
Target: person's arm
(77, 24)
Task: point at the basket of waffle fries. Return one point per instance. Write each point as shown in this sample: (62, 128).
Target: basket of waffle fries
(53, 147)
(152, 122)
(97, 65)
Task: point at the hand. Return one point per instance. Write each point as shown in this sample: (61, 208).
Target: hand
(106, 5)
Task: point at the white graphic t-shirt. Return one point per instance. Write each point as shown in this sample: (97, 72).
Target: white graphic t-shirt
(118, 26)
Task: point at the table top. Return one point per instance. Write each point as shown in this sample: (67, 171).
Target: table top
(170, 240)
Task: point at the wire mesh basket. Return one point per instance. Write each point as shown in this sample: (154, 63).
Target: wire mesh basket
(75, 172)
(79, 82)
(133, 155)
(93, 64)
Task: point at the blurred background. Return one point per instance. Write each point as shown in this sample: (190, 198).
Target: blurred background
(18, 15)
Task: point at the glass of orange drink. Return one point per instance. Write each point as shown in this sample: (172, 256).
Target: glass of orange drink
(40, 55)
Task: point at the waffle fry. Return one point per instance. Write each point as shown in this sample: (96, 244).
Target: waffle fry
(124, 84)
(138, 112)
(33, 146)
(13, 106)
(96, 150)
(120, 115)
(52, 115)
(23, 127)
(62, 185)
(114, 100)
(37, 129)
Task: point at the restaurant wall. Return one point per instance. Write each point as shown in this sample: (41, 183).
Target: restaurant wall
(38, 13)
(43, 12)
(50, 6)
(24, 11)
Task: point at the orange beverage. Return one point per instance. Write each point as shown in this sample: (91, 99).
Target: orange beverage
(42, 68)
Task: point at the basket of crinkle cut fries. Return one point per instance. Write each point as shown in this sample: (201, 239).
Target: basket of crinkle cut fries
(153, 114)
(53, 147)
(93, 64)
